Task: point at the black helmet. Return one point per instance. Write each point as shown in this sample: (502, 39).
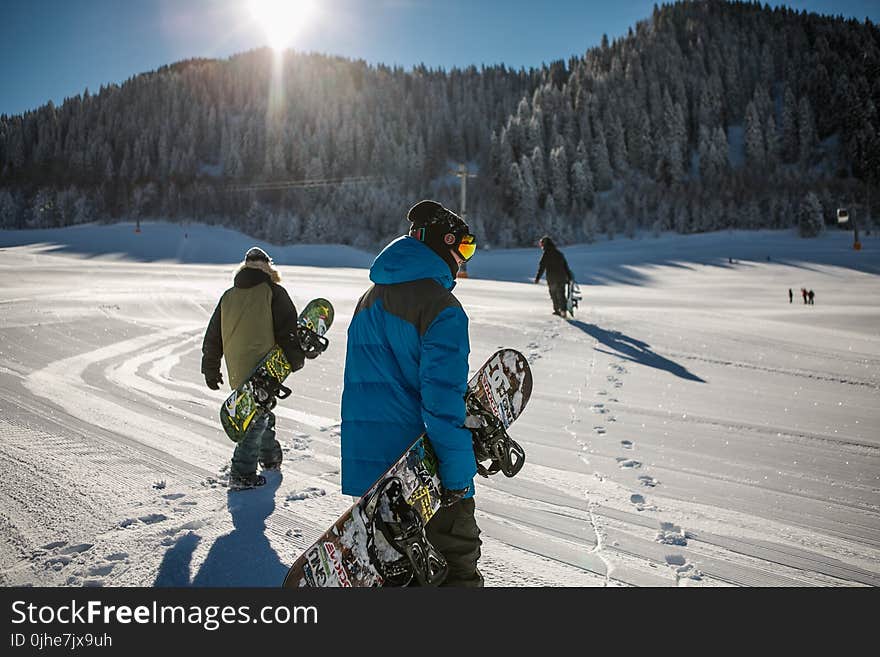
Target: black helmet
(442, 230)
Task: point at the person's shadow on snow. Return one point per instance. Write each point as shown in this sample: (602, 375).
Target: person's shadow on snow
(243, 557)
(634, 350)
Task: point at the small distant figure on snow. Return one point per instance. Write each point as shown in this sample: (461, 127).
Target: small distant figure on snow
(558, 274)
(804, 294)
(811, 296)
(790, 295)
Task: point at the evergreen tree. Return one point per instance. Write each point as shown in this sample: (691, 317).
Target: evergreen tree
(559, 184)
(710, 169)
(671, 143)
(756, 158)
(590, 226)
(528, 200)
(641, 144)
(806, 131)
(810, 221)
(600, 163)
(539, 174)
(582, 186)
(790, 145)
(10, 210)
(771, 142)
(682, 217)
(617, 144)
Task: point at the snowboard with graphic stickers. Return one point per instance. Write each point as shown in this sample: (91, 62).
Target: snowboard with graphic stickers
(380, 540)
(572, 296)
(265, 385)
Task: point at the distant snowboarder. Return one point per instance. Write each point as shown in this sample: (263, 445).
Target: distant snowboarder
(804, 294)
(811, 296)
(558, 274)
(790, 295)
(254, 315)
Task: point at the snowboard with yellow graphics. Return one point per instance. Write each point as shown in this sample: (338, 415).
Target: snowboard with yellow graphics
(265, 385)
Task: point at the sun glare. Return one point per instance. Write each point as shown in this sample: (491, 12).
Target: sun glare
(282, 20)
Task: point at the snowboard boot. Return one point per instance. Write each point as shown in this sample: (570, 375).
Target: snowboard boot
(273, 460)
(245, 482)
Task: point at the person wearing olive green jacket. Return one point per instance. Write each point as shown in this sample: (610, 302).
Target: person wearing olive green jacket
(252, 316)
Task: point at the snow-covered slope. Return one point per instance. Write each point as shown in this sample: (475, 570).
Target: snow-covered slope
(689, 427)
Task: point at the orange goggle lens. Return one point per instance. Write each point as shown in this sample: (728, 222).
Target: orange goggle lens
(467, 247)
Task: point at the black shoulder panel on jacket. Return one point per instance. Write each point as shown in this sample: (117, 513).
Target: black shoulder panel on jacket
(417, 302)
(284, 317)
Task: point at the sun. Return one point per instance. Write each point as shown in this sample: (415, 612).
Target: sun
(281, 20)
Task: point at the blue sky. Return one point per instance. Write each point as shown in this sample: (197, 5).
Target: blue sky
(51, 49)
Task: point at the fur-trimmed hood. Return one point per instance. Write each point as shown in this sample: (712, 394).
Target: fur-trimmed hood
(260, 265)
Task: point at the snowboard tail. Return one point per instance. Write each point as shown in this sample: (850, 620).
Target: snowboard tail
(380, 540)
(572, 296)
(313, 323)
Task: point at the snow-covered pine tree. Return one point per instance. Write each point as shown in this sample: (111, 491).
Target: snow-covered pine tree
(10, 210)
(600, 162)
(810, 221)
(790, 146)
(582, 185)
(756, 158)
(806, 132)
(539, 174)
(559, 184)
(528, 200)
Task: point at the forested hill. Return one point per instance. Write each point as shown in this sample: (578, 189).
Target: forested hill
(706, 115)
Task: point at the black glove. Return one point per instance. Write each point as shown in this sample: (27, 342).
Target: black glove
(450, 497)
(213, 380)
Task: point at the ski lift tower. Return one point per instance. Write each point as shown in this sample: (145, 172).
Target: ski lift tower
(462, 173)
(843, 217)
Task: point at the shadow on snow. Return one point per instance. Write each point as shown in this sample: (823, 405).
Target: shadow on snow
(243, 557)
(634, 350)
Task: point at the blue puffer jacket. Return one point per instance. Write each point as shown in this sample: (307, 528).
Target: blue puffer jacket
(406, 369)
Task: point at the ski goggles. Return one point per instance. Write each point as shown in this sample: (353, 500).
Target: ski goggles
(461, 241)
(467, 246)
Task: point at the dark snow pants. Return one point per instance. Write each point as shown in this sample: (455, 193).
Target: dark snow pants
(258, 443)
(454, 533)
(558, 295)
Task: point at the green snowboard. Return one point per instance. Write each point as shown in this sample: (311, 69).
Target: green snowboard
(264, 386)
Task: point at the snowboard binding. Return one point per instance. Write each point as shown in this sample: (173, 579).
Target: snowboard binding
(491, 443)
(311, 343)
(404, 532)
(267, 390)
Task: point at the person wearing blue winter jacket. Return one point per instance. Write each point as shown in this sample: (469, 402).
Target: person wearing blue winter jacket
(406, 370)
